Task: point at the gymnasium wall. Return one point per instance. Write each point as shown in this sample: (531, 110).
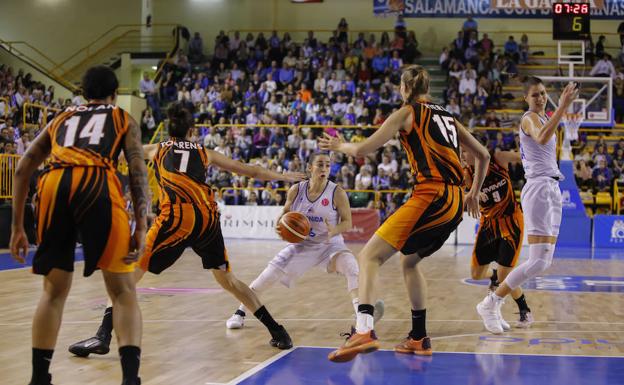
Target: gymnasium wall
(61, 27)
(17, 64)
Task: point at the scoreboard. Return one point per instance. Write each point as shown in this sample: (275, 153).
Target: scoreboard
(571, 21)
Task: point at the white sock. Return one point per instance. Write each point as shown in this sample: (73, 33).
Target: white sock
(356, 303)
(364, 323)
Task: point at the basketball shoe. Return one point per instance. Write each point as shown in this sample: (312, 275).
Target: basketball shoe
(355, 344)
(525, 321)
(236, 321)
(421, 347)
(280, 338)
(489, 310)
(98, 344)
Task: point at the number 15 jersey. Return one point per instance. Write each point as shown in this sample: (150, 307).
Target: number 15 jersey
(432, 145)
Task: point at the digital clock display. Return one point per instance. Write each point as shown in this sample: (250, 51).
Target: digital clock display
(571, 21)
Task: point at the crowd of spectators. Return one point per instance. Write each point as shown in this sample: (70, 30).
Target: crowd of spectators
(254, 80)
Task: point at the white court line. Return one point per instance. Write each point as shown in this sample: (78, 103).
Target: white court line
(318, 320)
(525, 332)
(484, 353)
(257, 368)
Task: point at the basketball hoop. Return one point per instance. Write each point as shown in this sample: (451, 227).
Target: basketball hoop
(571, 123)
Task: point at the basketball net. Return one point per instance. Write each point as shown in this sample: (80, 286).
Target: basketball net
(571, 123)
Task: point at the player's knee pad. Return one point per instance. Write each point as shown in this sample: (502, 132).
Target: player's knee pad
(347, 265)
(269, 276)
(540, 259)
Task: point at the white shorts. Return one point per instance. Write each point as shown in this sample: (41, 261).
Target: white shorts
(296, 259)
(542, 205)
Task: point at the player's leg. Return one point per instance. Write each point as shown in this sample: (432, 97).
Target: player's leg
(344, 262)
(273, 273)
(47, 322)
(211, 248)
(417, 341)
(247, 297)
(525, 319)
(127, 322)
(542, 213)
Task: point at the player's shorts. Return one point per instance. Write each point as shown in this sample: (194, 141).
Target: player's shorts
(296, 259)
(426, 220)
(180, 226)
(86, 200)
(499, 240)
(542, 206)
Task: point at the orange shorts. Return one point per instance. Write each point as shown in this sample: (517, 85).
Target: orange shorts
(86, 201)
(426, 220)
(180, 226)
(499, 240)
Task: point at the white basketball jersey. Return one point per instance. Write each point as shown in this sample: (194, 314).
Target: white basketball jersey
(538, 159)
(317, 211)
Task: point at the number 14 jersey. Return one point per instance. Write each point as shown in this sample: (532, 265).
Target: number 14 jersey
(88, 135)
(432, 145)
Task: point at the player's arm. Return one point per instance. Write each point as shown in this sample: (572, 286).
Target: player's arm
(482, 159)
(503, 158)
(139, 189)
(36, 153)
(149, 150)
(531, 125)
(388, 129)
(252, 171)
(344, 212)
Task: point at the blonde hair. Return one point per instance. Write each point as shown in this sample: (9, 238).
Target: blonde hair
(416, 80)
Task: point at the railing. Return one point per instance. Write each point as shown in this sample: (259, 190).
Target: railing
(119, 38)
(44, 120)
(8, 163)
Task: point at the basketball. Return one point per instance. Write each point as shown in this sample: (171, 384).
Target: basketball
(293, 227)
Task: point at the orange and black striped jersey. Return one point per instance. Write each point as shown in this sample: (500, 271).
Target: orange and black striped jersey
(497, 186)
(181, 169)
(432, 145)
(88, 135)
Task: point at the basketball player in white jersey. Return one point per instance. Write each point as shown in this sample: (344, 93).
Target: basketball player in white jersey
(541, 197)
(326, 206)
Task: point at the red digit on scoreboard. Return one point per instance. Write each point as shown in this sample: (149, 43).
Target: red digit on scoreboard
(585, 8)
(558, 8)
(576, 8)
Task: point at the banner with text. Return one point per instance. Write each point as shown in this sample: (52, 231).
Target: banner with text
(609, 231)
(365, 223)
(600, 9)
(258, 222)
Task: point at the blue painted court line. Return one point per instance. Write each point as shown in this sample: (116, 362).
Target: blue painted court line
(8, 263)
(570, 283)
(309, 366)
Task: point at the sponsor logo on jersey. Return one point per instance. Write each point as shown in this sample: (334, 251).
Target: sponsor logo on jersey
(325, 202)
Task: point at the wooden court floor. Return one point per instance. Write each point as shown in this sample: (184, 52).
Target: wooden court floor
(184, 311)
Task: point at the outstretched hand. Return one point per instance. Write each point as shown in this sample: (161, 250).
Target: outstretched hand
(290, 176)
(329, 143)
(569, 94)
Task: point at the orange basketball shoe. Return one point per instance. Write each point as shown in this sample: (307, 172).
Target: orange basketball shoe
(421, 347)
(355, 344)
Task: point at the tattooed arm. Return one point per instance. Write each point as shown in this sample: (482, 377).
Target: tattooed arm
(37, 152)
(133, 152)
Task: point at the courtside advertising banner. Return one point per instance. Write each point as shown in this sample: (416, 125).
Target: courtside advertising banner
(365, 223)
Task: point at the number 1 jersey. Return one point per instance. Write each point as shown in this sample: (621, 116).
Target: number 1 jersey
(432, 145)
(181, 167)
(89, 135)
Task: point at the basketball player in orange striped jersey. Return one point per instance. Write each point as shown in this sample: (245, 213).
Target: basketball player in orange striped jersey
(326, 206)
(79, 192)
(189, 217)
(501, 229)
(431, 137)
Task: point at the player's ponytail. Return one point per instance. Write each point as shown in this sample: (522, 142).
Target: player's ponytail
(180, 120)
(416, 82)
